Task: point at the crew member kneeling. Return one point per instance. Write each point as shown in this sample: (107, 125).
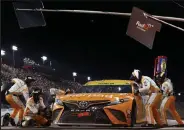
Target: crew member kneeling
(35, 112)
(168, 102)
(148, 86)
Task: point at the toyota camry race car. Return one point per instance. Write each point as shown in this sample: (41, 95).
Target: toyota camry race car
(106, 102)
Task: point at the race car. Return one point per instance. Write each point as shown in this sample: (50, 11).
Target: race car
(105, 102)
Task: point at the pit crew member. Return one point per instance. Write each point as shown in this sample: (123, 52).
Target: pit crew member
(19, 88)
(168, 102)
(36, 112)
(149, 87)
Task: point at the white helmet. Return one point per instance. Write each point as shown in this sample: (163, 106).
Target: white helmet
(136, 75)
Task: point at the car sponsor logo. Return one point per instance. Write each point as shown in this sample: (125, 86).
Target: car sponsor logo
(78, 110)
(83, 104)
(83, 114)
(129, 113)
(143, 27)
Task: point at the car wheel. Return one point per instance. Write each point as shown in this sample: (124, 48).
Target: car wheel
(6, 119)
(133, 115)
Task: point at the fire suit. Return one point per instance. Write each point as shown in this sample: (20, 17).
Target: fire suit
(149, 87)
(35, 111)
(12, 97)
(141, 100)
(168, 102)
(145, 98)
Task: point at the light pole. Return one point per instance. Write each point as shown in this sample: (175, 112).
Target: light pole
(89, 78)
(74, 75)
(50, 63)
(14, 48)
(44, 58)
(2, 54)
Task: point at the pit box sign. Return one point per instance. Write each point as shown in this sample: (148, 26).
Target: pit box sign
(142, 28)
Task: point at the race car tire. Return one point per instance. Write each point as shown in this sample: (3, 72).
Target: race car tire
(133, 114)
(6, 119)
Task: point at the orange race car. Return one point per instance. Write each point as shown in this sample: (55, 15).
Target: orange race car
(105, 102)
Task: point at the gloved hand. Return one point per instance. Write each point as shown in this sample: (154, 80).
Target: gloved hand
(48, 113)
(53, 98)
(41, 112)
(162, 91)
(7, 92)
(164, 95)
(136, 91)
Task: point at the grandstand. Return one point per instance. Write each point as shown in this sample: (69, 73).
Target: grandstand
(44, 81)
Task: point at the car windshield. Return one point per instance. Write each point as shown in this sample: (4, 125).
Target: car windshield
(105, 89)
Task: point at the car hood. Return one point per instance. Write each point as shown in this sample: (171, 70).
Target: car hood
(95, 96)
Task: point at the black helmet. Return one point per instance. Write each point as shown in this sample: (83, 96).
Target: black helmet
(29, 79)
(136, 75)
(36, 93)
(160, 77)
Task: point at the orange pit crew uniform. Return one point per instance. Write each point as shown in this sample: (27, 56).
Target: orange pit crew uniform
(31, 112)
(168, 102)
(12, 97)
(149, 87)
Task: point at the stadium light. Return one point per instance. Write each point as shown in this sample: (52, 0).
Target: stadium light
(89, 78)
(14, 48)
(3, 52)
(179, 94)
(44, 58)
(74, 75)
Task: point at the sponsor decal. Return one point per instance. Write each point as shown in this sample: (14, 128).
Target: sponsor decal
(83, 114)
(78, 110)
(129, 113)
(143, 27)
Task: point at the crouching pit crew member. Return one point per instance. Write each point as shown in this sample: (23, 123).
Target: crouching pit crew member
(36, 112)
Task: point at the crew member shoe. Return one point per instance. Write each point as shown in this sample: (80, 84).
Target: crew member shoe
(180, 125)
(12, 122)
(165, 125)
(19, 124)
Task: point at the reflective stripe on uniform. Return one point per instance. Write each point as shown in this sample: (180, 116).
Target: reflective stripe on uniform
(150, 119)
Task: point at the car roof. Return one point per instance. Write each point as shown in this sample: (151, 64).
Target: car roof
(109, 82)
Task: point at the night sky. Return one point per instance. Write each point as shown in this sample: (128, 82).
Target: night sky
(97, 45)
